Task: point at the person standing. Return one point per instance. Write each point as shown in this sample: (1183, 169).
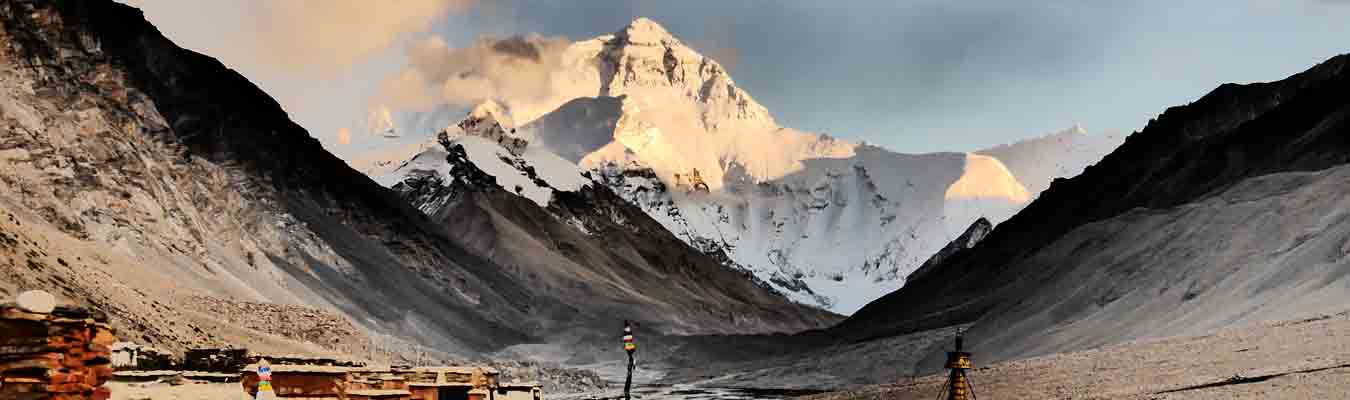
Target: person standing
(630, 347)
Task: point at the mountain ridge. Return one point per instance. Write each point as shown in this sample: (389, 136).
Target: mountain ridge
(1189, 155)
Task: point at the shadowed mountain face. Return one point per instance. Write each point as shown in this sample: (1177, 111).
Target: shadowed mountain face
(115, 136)
(213, 187)
(1067, 256)
(577, 128)
(596, 253)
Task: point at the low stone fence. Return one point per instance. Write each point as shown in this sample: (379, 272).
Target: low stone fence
(53, 352)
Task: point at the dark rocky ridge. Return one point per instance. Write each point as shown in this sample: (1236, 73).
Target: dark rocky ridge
(217, 115)
(972, 236)
(1187, 153)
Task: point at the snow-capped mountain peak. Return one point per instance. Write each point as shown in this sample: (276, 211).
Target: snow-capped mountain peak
(822, 220)
(644, 31)
(646, 63)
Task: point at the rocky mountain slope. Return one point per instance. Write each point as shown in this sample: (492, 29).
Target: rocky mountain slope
(1221, 212)
(822, 220)
(1304, 358)
(166, 176)
(547, 221)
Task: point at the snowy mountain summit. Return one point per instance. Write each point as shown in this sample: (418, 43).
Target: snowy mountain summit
(821, 220)
(644, 56)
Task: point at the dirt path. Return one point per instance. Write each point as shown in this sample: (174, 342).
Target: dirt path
(1308, 358)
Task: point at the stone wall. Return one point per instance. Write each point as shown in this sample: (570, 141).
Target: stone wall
(55, 353)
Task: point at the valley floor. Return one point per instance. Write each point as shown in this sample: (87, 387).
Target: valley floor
(1299, 359)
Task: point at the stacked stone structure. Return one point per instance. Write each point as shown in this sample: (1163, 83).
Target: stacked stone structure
(53, 352)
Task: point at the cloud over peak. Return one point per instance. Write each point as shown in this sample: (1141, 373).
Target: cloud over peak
(523, 68)
(297, 35)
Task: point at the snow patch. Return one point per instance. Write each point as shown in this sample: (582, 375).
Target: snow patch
(501, 164)
(986, 178)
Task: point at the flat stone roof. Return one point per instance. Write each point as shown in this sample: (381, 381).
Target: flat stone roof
(165, 373)
(379, 392)
(456, 369)
(304, 369)
(440, 384)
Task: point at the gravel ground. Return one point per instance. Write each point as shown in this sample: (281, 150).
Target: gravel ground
(164, 391)
(1300, 359)
(827, 368)
(1307, 358)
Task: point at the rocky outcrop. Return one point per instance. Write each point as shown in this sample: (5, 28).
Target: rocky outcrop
(973, 235)
(554, 380)
(691, 182)
(430, 190)
(482, 122)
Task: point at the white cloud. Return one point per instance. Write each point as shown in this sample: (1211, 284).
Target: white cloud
(294, 35)
(526, 72)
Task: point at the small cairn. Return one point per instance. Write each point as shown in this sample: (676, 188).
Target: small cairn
(50, 351)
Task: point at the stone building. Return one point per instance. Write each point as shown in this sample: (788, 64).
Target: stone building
(518, 391)
(132, 356)
(420, 383)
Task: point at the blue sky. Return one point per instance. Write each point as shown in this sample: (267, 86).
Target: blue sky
(913, 76)
(929, 76)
